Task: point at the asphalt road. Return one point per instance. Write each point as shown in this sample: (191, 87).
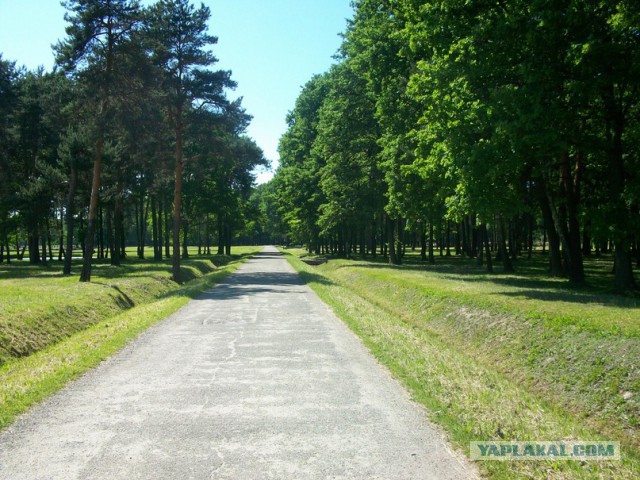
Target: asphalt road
(256, 379)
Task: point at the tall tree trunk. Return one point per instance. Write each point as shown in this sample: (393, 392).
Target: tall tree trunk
(530, 229)
(49, 245)
(473, 235)
(163, 227)
(555, 258)
(432, 259)
(624, 279)
(383, 235)
(481, 239)
(623, 234)
(33, 240)
(44, 246)
(374, 246)
(167, 235)
(423, 243)
(110, 235)
(391, 241)
(458, 239)
(144, 215)
(185, 239)
(506, 260)
(220, 236)
(572, 188)
(71, 194)
(347, 242)
(118, 223)
(463, 234)
(487, 247)
(401, 246)
(157, 253)
(6, 242)
(207, 237)
(137, 215)
(60, 236)
(586, 239)
(227, 243)
(82, 232)
(177, 199)
(85, 273)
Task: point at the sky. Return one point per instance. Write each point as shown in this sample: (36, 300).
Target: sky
(272, 47)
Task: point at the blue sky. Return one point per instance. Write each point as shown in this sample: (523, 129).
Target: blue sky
(273, 47)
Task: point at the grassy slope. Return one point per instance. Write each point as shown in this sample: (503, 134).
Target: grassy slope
(39, 306)
(516, 357)
(103, 317)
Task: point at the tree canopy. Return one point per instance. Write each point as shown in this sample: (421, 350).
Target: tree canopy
(479, 126)
(132, 139)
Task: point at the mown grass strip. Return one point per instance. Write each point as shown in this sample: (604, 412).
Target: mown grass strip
(40, 307)
(472, 400)
(27, 381)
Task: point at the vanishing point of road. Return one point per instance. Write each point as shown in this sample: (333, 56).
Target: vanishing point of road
(255, 379)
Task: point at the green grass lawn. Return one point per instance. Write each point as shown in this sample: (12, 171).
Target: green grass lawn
(501, 357)
(53, 328)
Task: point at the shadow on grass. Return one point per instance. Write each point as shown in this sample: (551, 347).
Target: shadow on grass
(309, 277)
(531, 277)
(518, 281)
(459, 265)
(18, 269)
(123, 300)
(574, 296)
(102, 268)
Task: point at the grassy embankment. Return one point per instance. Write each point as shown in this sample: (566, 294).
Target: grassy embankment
(501, 357)
(54, 328)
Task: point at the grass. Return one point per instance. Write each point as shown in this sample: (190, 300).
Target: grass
(501, 357)
(39, 306)
(60, 328)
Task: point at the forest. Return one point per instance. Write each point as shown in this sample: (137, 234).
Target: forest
(487, 129)
(130, 139)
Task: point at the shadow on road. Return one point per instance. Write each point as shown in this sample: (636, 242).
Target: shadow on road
(241, 284)
(251, 283)
(277, 255)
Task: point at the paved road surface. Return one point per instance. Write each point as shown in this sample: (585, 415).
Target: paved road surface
(256, 379)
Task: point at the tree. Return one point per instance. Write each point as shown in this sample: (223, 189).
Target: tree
(97, 33)
(75, 156)
(351, 180)
(300, 195)
(178, 36)
(8, 181)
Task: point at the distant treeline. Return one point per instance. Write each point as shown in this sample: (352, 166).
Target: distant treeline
(481, 126)
(131, 136)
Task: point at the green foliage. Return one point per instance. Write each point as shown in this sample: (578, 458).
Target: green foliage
(90, 152)
(299, 174)
(347, 135)
(494, 112)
